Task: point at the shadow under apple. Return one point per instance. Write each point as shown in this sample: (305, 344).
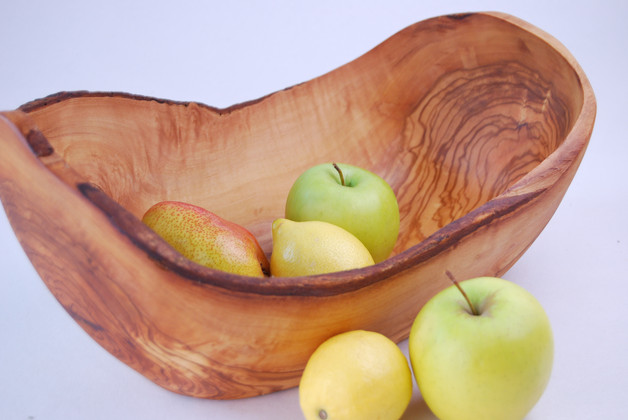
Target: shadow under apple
(418, 409)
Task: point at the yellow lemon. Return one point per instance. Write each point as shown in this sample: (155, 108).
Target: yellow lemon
(313, 247)
(356, 375)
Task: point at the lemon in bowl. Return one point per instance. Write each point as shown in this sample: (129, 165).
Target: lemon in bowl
(314, 247)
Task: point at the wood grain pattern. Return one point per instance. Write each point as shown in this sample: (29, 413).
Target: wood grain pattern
(477, 121)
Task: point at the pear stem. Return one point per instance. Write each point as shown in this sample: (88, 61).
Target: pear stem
(453, 279)
(342, 177)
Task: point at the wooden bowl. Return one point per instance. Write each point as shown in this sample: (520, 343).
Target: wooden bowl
(477, 121)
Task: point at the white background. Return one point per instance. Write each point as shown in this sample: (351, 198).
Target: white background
(222, 53)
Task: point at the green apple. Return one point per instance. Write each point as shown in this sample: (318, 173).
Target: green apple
(487, 357)
(353, 198)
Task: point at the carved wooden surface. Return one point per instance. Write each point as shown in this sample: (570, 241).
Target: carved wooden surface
(477, 121)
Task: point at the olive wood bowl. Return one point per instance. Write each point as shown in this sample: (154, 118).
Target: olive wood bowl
(477, 121)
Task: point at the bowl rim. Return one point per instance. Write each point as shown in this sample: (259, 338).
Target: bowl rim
(528, 188)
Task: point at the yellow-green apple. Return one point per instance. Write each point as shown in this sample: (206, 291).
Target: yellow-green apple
(353, 198)
(207, 239)
(486, 353)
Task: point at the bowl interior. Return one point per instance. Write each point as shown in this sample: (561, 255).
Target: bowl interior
(451, 112)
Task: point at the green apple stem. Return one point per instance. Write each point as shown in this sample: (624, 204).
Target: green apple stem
(453, 279)
(342, 177)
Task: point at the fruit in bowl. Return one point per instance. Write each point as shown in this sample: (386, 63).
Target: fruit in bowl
(353, 198)
(207, 239)
(314, 247)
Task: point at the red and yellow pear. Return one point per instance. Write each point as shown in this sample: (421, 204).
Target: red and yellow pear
(207, 239)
